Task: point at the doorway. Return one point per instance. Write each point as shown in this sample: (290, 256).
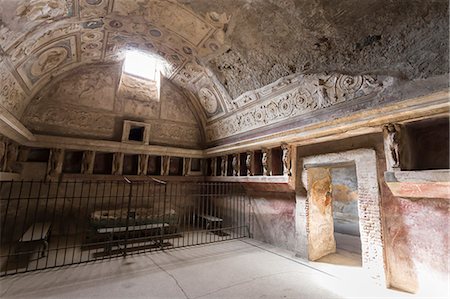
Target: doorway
(343, 207)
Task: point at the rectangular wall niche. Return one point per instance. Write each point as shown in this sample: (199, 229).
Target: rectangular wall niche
(136, 132)
(103, 163)
(72, 162)
(316, 178)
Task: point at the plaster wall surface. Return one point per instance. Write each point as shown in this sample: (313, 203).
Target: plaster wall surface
(415, 233)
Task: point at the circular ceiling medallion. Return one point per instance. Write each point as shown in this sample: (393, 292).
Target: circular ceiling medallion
(115, 24)
(208, 100)
(48, 60)
(155, 32)
(91, 46)
(187, 50)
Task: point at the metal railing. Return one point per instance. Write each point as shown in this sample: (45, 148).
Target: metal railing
(52, 224)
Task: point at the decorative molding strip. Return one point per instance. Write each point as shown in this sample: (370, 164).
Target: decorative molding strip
(299, 95)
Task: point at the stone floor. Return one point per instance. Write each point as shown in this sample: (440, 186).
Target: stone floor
(231, 269)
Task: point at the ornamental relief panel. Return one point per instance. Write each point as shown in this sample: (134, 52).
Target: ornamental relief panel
(315, 92)
(12, 96)
(175, 17)
(89, 87)
(54, 55)
(68, 120)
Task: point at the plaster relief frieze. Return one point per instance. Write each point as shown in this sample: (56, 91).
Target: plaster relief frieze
(21, 17)
(175, 17)
(93, 8)
(174, 105)
(12, 96)
(299, 95)
(47, 59)
(92, 87)
(138, 89)
(44, 9)
(167, 132)
(92, 44)
(118, 43)
(39, 39)
(68, 120)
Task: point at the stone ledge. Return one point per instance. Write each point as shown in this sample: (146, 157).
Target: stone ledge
(419, 184)
(276, 179)
(9, 176)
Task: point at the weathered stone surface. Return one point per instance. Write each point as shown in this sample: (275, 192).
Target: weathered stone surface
(272, 39)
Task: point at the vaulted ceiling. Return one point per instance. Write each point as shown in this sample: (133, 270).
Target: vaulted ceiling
(225, 56)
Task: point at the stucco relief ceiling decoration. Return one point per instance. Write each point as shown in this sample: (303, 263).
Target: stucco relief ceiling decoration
(292, 97)
(42, 39)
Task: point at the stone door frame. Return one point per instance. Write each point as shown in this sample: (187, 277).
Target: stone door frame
(373, 257)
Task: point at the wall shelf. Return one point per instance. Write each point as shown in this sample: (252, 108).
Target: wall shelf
(419, 184)
(278, 179)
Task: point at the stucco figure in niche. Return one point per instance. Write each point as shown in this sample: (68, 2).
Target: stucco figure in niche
(87, 166)
(249, 162)
(117, 166)
(235, 164)
(223, 165)
(165, 165)
(392, 146)
(55, 164)
(187, 166)
(2, 152)
(24, 151)
(286, 159)
(143, 164)
(267, 161)
(12, 151)
(213, 166)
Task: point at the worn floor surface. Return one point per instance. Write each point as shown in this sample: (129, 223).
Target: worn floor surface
(231, 269)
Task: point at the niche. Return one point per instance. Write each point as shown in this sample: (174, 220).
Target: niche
(103, 163)
(425, 145)
(230, 165)
(154, 165)
(257, 163)
(130, 164)
(277, 161)
(218, 166)
(176, 166)
(135, 132)
(196, 165)
(243, 166)
(38, 155)
(72, 162)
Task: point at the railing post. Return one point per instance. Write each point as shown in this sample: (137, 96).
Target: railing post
(127, 221)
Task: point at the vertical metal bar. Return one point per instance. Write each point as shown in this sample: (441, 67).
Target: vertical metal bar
(34, 224)
(60, 223)
(83, 237)
(3, 228)
(24, 225)
(127, 216)
(44, 219)
(68, 227)
(11, 242)
(77, 221)
(91, 218)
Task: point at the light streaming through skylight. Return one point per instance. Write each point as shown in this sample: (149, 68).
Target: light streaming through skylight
(142, 65)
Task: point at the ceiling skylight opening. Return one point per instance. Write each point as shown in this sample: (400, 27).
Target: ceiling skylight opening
(143, 65)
